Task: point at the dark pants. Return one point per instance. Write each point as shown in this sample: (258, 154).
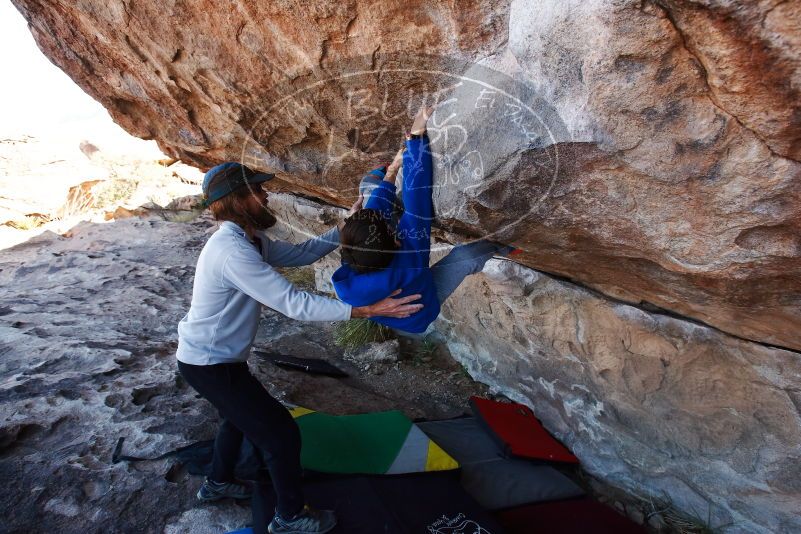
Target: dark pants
(461, 262)
(247, 409)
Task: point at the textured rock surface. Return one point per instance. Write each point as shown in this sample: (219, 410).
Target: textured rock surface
(87, 355)
(653, 152)
(88, 341)
(378, 352)
(649, 402)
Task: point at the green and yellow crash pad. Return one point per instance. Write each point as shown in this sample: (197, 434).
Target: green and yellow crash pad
(379, 443)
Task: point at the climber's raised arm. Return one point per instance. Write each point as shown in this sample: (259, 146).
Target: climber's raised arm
(394, 167)
(415, 224)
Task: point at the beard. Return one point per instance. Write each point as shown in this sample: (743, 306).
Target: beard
(261, 219)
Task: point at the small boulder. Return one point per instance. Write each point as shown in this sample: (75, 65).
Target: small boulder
(378, 352)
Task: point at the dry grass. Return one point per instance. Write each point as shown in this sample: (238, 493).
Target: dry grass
(28, 222)
(180, 216)
(359, 332)
(302, 277)
(112, 193)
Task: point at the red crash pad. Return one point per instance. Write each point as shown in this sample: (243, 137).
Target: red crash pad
(578, 516)
(519, 432)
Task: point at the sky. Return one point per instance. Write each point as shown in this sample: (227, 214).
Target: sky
(35, 95)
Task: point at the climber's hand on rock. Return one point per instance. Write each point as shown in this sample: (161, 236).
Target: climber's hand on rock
(419, 124)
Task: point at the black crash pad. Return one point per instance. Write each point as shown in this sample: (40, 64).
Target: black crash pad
(430, 503)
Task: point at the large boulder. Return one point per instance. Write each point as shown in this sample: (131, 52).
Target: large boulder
(652, 403)
(658, 405)
(649, 150)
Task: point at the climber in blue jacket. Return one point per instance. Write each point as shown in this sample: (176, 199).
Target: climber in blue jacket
(379, 254)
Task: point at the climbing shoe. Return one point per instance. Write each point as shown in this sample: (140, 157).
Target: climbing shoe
(506, 251)
(308, 521)
(214, 491)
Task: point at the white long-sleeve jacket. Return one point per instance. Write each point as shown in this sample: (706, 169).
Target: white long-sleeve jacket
(233, 280)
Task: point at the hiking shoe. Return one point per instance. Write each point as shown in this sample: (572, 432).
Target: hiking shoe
(308, 521)
(214, 491)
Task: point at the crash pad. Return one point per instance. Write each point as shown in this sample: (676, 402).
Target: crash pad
(493, 480)
(372, 443)
(430, 503)
(576, 516)
(518, 432)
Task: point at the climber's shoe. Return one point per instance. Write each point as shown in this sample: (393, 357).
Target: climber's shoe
(308, 521)
(214, 491)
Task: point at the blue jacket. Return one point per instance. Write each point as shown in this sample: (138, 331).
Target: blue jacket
(409, 269)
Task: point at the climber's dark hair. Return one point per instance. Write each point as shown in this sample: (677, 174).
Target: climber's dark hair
(367, 242)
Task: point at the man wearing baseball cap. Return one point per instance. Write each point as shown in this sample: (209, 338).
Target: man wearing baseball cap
(234, 278)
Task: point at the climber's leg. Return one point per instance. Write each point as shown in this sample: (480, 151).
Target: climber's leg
(461, 262)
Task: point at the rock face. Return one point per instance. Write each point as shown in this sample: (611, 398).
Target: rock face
(649, 150)
(646, 401)
(88, 356)
(655, 404)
